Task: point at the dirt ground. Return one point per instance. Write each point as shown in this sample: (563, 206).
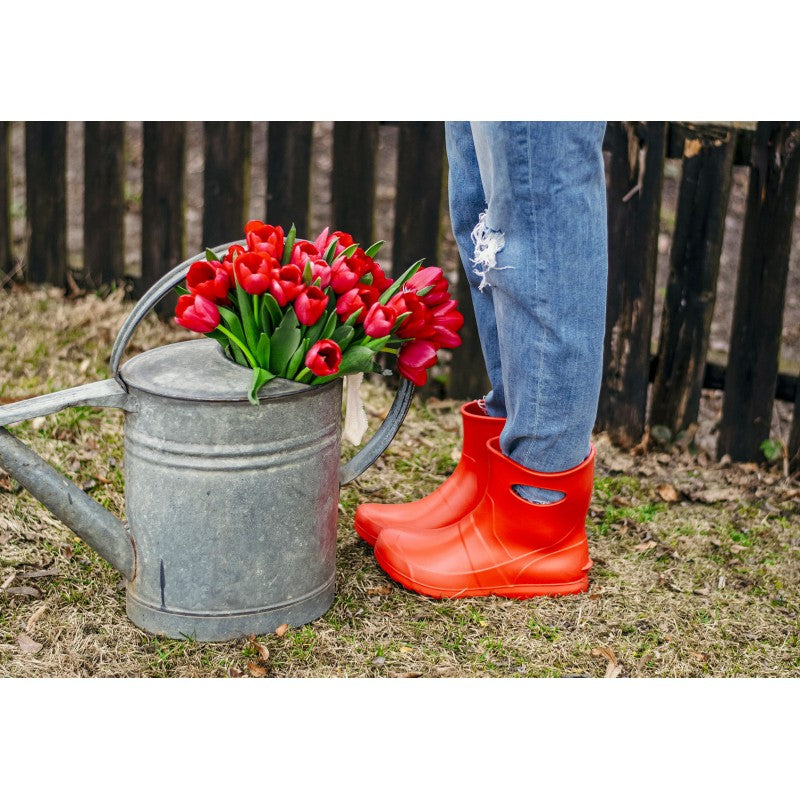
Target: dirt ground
(696, 562)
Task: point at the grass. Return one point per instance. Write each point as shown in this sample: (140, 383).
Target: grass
(678, 589)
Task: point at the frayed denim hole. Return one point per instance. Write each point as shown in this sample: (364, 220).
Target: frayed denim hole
(488, 243)
(537, 496)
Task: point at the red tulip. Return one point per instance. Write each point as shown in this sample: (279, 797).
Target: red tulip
(267, 239)
(196, 313)
(209, 279)
(414, 359)
(286, 283)
(418, 325)
(254, 271)
(324, 357)
(433, 277)
(379, 321)
(310, 305)
(349, 303)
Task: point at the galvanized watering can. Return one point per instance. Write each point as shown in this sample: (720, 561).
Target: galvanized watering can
(231, 507)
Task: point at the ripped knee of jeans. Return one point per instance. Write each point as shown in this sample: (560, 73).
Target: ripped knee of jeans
(488, 243)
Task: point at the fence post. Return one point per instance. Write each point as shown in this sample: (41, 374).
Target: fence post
(6, 232)
(289, 176)
(418, 200)
(163, 224)
(226, 181)
(634, 201)
(355, 149)
(694, 267)
(752, 372)
(46, 201)
(104, 203)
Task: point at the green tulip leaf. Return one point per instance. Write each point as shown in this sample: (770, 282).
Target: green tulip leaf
(260, 377)
(356, 359)
(372, 251)
(211, 255)
(262, 351)
(343, 335)
(283, 343)
(271, 313)
(288, 245)
(330, 326)
(331, 249)
(297, 359)
(395, 287)
(346, 253)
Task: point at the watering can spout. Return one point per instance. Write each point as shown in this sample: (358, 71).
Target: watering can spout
(97, 526)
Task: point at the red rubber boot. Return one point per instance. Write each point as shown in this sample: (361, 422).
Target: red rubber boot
(457, 496)
(506, 546)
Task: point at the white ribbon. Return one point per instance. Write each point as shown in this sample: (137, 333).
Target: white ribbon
(355, 418)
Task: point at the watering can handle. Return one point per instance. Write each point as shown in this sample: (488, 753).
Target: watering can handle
(365, 457)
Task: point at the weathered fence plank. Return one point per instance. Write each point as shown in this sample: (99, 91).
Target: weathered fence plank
(6, 232)
(163, 225)
(694, 268)
(226, 181)
(289, 176)
(46, 201)
(760, 291)
(355, 148)
(634, 200)
(104, 203)
(418, 199)
(794, 436)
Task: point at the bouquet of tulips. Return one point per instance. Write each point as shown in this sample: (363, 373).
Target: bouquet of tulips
(313, 311)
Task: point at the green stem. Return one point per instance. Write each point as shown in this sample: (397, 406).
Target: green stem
(247, 354)
(302, 374)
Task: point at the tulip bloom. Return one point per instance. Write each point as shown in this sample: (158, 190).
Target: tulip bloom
(429, 277)
(324, 357)
(196, 313)
(253, 272)
(209, 279)
(310, 305)
(286, 283)
(266, 239)
(414, 359)
(379, 321)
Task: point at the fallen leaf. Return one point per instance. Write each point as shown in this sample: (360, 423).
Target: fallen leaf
(716, 495)
(409, 675)
(281, 629)
(234, 673)
(40, 573)
(263, 651)
(27, 645)
(645, 546)
(379, 661)
(721, 582)
(701, 657)
(378, 590)
(737, 548)
(8, 581)
(613, 668)
(34, 618)
(405, 649)
(28, 591)
(256, 670)
(668, 493)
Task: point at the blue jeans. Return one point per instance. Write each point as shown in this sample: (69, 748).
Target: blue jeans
(528, 209)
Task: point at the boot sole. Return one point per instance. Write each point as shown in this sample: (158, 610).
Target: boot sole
(516, 592)
(367, 537)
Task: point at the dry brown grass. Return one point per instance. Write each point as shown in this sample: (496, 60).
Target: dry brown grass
(696, 564)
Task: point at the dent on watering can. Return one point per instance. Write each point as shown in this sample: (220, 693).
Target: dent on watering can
(231, 506)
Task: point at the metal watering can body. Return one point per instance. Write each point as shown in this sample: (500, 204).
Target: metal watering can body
(231, 507)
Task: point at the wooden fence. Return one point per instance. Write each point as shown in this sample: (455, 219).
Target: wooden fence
(637, 154)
